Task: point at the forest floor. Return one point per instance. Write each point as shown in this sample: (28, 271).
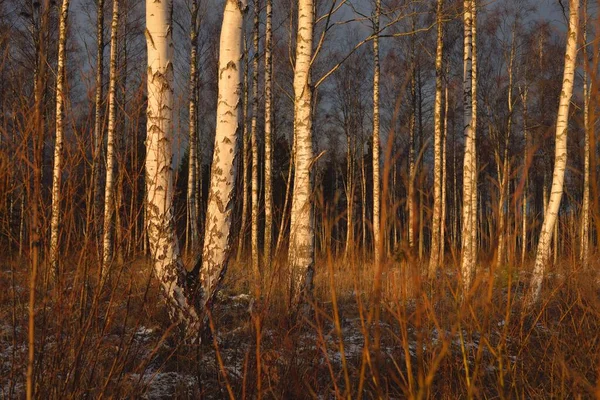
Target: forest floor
(117, 342)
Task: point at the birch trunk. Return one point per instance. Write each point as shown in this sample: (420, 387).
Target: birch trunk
(301, 249)
(58, 145)
(217, 241)
(434, 260)
(468, 261)
(585, 207)
(411, 145)
(163, 244)
(376, 142)
(444, 177)
(94, 204)
(474, 171)
(245, 162)
(192, 189)
(268, 133)
(254, 144)
(560, 156)
(349, 193)
(525, 176)
(109, 191)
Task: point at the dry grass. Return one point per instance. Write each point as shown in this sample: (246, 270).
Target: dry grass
(116, 341)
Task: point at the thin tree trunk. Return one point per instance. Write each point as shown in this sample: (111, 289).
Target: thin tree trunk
(349, 194)
(411, 144)
(560, 163)
(474, 170)
(109, 191)
(442, 241)
(162, 238)
(377, 234)
(254, 144)
(585, 208)
(268, 134)
(192, 189)
(525, 177)
(436, 224)
(245, 162)
(301, 249)
(58, 145)
(215, 255)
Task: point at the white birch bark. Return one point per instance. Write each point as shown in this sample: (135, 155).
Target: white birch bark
(434, 260)
(58, 145)
(474, 170)
(560, 156)
(219, 211)
(254, 144)
(376, 142)
(109, 190)
(192, 189)
(162, 239)
(268, 133)
(468, 262)
(301, 249)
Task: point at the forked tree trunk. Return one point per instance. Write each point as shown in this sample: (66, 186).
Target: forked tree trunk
(192, 189)
(109, 191)
(268, 133)
(58, 145)
(434, 260)
(301, 249)
(560, 156)
(468, 214)
(217, 241)
(163, 243)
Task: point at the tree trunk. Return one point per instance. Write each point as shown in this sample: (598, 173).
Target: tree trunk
(192, 189)
(58, 145)
(109, 191)
(377, 234)
(163, 243)
(301, 249)
(215, 255)
(468, 214)
(585, 207)
(434, 260)
(525, 177)
(268, 134)
(442, 241)
(560, 163)
(245, 162)
(254, 144)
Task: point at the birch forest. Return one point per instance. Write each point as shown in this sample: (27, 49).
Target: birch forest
(296, 199)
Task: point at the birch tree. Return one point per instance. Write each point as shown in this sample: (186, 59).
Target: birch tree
(58, 145)
(268, 131)
(468, 214)
(192, 189)
(109, 190)
(164, 247)
(585, 207)
(301, 249)
(376, 141)
(438, 159)
(560, 156)
(254, 141)
(215, 254)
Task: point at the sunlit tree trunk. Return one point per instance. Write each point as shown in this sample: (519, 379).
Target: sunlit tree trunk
(349, 192)
(58, 145)
(411, 144)
(163, 243)
(585, 207)
(444, 184)
(560, 156)
(245, 161)
(301, 249)
(434, 260)
(217, 240)
(268, 133)
(254, 142)
(468, 214)
(474, 170)
(94, 199)
(192, 189)
(109, 191)
(376, 142)
(525, 176)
